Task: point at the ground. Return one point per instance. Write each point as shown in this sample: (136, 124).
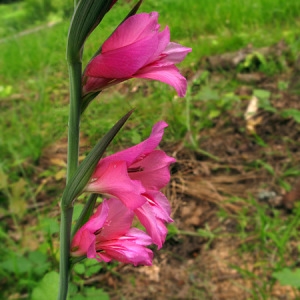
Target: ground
(217, 191)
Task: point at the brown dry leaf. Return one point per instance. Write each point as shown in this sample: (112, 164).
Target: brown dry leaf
(152, 272)
(28, 241)
(60, 175)
(42, 184)
(252, 108)
(250, 115)
(58, 162)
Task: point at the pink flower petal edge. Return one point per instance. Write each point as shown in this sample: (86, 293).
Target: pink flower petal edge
(107, 236)
(137, 49)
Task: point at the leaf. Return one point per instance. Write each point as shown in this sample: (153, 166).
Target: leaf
(3, 180)
(262, 94)
(39, 262)
(17, 201)
(91, 294)
(85, 170)
(207, 94)
(265, 165)
(77, 211)
(93, 269)
(292, 113)
(287, 277)
(57, 162)
(214, 113)
(96, 294)
(19, 265)
(79, 268)
(49, 226)
(47, 288)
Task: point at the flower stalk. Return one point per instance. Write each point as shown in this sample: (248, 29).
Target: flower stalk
(75, 70)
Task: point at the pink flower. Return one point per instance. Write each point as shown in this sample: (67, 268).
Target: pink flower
(107, 236)
(130, 173)
(137, 49)
(154, 214)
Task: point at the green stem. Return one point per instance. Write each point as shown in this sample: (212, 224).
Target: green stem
(75, 71)
(65, 241)
(74, 118)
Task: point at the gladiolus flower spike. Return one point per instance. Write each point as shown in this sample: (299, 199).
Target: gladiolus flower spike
(137, 49)
(132, 179)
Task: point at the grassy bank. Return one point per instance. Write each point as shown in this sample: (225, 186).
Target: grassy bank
(34, 107)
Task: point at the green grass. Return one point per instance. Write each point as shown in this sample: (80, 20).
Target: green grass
(34, 108)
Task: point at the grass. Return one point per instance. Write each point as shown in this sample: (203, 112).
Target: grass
(34, 97)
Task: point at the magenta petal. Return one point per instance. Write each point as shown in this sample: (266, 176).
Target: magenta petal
(112, 179)
(139, 236)
(129, 248)
(163, 41)
(153, 215)
(93, 84)
(102, 256)
(84, 239)
(123, 62)
(137, 49)
(97, 220)
(154, 170)
(134, 28)
(127, 252)
(119, 220)
(167, 74)
(160, 205)
(131, 154)
(154, 227)
(174, 53)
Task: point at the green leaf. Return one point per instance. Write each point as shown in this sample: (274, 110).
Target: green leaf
(93, 269)
(49, 226)
(267, 166)
(85, 170)
(96, 294)
(287, 277)
(292, 113)
(39, 262)
(16, 264)
(262, 94)
(79, 268)
(77, 211)
(47, 288)
(207, 94)
(214, 113)
(91, 294)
